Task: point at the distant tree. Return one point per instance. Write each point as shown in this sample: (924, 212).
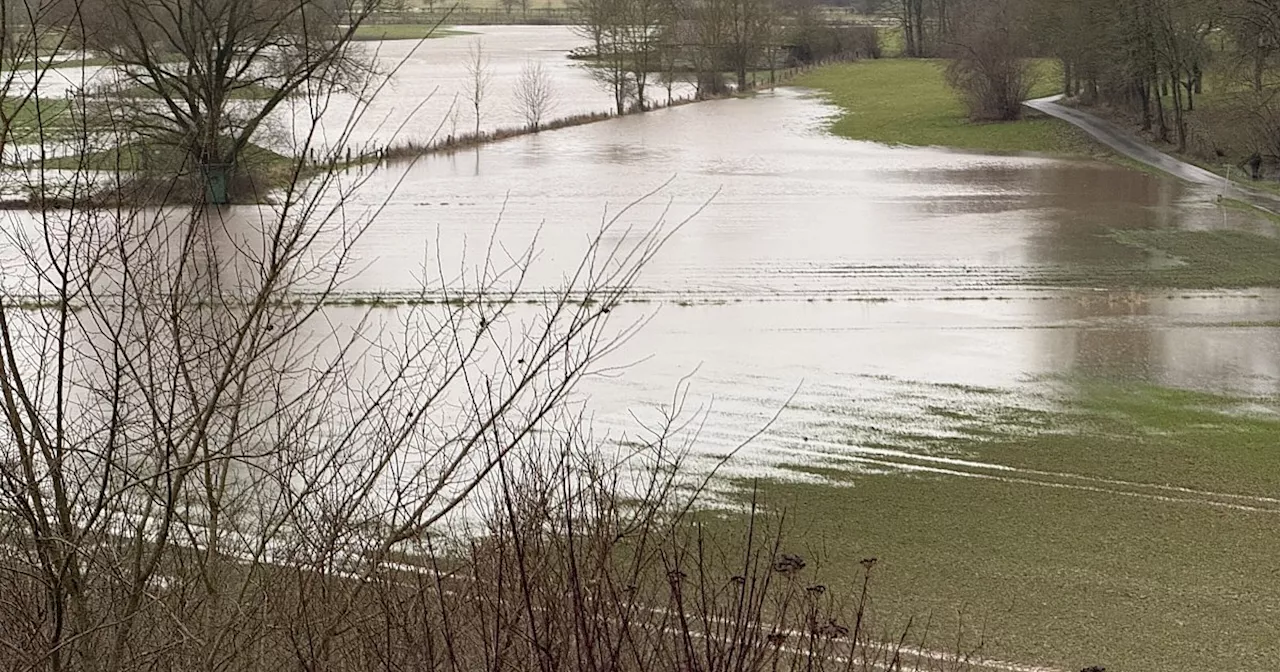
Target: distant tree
(479, 76)
(709, 33)
(640, 30)
(1182, 28)
(912, 19)
(535, 95)
(594, 19)
(606, 24)
(1256, 36)
(750, 27)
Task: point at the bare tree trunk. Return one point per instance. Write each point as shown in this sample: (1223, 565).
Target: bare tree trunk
(1162, 124)
(1144, 97)
(1179, 118)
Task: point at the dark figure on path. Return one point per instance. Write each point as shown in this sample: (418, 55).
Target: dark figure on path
(1095, 668)
(1255, 166)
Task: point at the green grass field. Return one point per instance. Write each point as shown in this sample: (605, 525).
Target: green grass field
(71, 63)
(404, 31)
(908, 102)
(139, 156)
(1112, 531)
(27, 116)
(250, 92)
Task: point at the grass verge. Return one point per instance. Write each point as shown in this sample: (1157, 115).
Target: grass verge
(249, 92)
(1080, 549)
(404, 31)
(908, 102)
(34, 112)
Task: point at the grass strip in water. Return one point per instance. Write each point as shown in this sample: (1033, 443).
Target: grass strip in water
(1180, 259)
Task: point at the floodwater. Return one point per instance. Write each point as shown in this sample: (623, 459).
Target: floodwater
(428, 94)
(842, 277)
(845, 277)
(847, 288)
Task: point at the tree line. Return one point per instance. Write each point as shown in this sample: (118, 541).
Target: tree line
(714, 45)
(1150, 61)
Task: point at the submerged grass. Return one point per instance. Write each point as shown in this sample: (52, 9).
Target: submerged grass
(908, 102)
(28, 114)
(1072, 555)
(1180, 259)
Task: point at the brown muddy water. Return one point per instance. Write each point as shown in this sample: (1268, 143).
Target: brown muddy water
(861, 287)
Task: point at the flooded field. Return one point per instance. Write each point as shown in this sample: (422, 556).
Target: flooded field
(822, 261)
(930, 324)
(426, 95)
(910, 309)
(429, 95)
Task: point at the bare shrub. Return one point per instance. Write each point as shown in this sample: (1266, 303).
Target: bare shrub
(988, 66)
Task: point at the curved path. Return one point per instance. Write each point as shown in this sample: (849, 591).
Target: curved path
(1124, 142)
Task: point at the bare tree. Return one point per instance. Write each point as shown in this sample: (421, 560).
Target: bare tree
(594, 20)
(707, 29)
(198, 63)
(479, 77)
(535, 95)
(604, 23)
(640, 32)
